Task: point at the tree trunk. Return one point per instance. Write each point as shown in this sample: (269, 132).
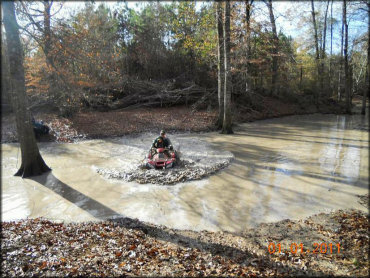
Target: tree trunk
(6, 104)
(47, 50)
(341, 63)
(331, 28)
(47, 31)
(323, 53)
(275, 49)
(366, 91)
(350, 82)
(331, 48)
(227, 124)
(248, 10)
(32, 162)
(220, 65)
(346, 66)
(317, 95)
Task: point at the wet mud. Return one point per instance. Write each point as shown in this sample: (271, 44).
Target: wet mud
(289, 167)
(185, 171)
(197, 161)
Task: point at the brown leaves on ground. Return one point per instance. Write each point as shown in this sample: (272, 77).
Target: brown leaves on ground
(115, 123)
(339, 244)
(95, 124)
(44, 248)
(61, 129)
(40, 247)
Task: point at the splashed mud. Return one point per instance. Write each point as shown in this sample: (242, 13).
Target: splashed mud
(185, 172)
(198, 160)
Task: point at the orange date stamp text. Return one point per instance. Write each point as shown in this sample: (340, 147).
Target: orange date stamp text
(294, 248)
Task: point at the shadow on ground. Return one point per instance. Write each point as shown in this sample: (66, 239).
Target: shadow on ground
(103, 212)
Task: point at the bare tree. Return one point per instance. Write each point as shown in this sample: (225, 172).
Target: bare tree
(275, 48)
(248, 12)
(47, 30)
(42, 35)
(323, 50)
(331, 45)
(346, 65)
(32, 162)
(227, 123)
(366, 91)
(341, 63)
(317, 95)
(40, 20)
(220, 64)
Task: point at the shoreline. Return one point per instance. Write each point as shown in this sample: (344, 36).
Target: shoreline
(82, 126)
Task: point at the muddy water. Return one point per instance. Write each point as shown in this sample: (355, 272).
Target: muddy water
(289, 167)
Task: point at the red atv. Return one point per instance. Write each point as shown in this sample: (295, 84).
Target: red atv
(161, 158)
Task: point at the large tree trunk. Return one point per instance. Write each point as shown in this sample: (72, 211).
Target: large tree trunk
(32, 162)
(366, 90)
(227, 124)
(6, 105)
(346, 66)
(220, 64)
(317, 95)
(275, 49)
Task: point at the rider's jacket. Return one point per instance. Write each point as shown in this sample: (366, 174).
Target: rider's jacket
(161, 142)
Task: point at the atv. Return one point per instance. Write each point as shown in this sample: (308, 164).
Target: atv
(40, 128)
(161, 158)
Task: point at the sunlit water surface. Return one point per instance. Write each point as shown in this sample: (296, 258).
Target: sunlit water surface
(288, 167)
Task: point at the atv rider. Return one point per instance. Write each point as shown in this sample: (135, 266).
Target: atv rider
(162, 142)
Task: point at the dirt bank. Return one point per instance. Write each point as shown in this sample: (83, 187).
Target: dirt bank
(95, 124)
(130, 247)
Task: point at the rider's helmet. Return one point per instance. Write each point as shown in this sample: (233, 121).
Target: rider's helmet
(162, 132)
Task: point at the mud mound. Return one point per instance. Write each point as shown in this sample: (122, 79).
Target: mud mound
(198, 161)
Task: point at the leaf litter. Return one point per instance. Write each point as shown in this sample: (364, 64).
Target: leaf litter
(129, 247)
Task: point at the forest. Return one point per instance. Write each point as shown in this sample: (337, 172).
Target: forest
(165, 54)
(259, 114)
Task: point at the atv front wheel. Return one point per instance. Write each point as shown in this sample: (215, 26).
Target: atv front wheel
(149, 166)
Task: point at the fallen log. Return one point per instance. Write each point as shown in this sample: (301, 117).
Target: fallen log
(136, 93)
